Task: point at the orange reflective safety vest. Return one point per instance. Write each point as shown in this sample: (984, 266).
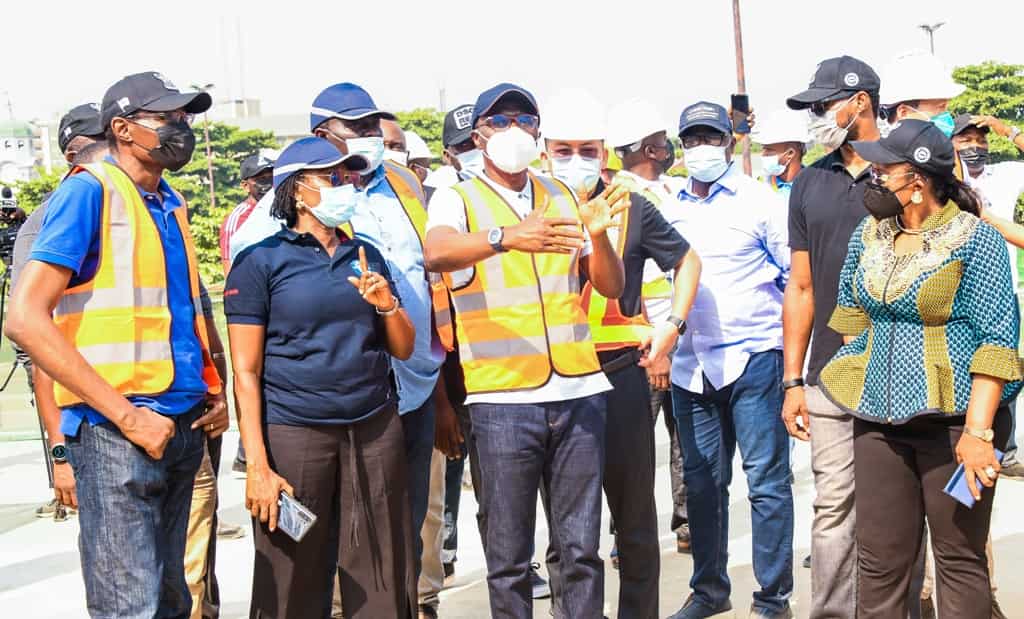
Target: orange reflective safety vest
(120, 320)
(520, 317)
(658, 287)
(609, 327)
(409, 190)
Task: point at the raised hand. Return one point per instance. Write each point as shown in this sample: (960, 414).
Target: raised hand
(372, 286)
(600, 213)
(540, 234)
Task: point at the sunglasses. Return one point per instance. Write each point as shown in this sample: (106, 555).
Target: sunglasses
(504, 121)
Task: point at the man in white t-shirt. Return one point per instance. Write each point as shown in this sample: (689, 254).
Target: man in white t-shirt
(513, 251)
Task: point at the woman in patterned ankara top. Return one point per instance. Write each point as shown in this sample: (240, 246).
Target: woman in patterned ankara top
(931, 322)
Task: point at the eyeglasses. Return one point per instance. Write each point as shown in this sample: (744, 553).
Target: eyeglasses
(697, 139)
(334, 178)
(881, 177)
(504, 121)
(164, 117)
(822, 107)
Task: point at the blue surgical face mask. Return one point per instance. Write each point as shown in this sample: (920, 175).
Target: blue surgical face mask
(372, 148)
(471, 162)
(337, 204)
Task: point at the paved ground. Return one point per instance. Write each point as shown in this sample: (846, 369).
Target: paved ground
(40, 577)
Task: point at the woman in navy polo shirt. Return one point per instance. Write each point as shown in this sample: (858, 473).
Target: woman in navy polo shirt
(313, 317)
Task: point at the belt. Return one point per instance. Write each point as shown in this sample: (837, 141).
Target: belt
(626, 359)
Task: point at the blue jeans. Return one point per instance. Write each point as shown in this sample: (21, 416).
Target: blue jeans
(133, 514)
(711, 424)
(522, 447)
(418, 427)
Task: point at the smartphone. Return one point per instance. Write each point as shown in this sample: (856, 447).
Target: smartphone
(957, 485)
(740, 112)
(293, 517)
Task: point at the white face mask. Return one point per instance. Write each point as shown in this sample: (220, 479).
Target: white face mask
(825, 129)
(705, 163)
(771, 166)
(579, 173)
(511, 150)
(372, 148)
(471, 162)
(400, 157)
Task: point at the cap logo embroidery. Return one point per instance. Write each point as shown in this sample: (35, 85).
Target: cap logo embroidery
(67, 131)
(95, 106)
(922, 154)
(168, 84)
(851, 79)
(462, 117)
(123, 103)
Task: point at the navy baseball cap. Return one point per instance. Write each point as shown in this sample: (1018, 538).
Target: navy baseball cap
(705, 114)
(834, 77)
(152, 92)
(255, 164)
(489, 98)
(917, 142)
(346, 101)
(313, 153)
(457, 126)
(80, 120)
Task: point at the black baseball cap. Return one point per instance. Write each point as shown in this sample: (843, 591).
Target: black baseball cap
(153, 92)
(490, 97)
(705, 114)
(80, 120)
(834, 77)
(254, 164)
(458, 126)
(917, 142)
(963, 122)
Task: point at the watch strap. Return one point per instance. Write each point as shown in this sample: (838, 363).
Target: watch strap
(678, 323)
(795, 382)
(986, 435)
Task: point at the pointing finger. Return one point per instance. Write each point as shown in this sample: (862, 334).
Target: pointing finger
(362, 260)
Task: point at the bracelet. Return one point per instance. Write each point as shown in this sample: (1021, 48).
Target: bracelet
(393, 310)
(217, 355)
(790, 384)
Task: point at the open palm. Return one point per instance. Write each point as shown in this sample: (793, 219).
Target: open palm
(600, 213)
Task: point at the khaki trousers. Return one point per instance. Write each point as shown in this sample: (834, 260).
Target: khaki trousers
(200, 533)
(432, 570)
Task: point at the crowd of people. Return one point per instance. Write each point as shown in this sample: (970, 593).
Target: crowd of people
(388, 322)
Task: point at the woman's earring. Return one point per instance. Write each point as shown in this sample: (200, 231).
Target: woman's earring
(916, 197)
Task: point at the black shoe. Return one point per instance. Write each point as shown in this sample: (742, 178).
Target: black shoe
(238, 466)
(540, 586)
(693, 609)
(928, 608)
(427, 612)
(807, 562)
(449, 569)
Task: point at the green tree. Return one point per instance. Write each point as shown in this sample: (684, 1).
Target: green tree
(229, 146)
(994, 89)
(30, 193)
(428, 124)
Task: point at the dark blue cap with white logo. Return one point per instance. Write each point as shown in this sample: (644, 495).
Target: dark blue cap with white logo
(917, 142)
(836, 77)
(705, 114)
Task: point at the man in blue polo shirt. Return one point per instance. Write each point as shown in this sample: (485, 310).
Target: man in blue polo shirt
(134, 502)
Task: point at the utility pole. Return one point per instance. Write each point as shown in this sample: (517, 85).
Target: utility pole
(209, 151)
(741, 80)
(930, 29)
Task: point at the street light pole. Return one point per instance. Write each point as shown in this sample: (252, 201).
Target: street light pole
(930, 29)
(209, 151)
(741, 80)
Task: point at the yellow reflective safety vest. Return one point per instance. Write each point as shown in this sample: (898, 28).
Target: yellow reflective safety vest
(609, 327)
(120, 320)
(520, 317)
(658, 287)
(409, 190)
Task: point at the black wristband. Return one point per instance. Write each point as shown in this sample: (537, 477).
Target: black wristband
(789, 384)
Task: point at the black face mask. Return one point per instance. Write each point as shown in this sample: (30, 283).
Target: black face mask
(258, 189)
(669, 160)
(881, 201)
(177, 142)
(975, 157)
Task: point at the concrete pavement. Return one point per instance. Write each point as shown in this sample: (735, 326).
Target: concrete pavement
(40, 573)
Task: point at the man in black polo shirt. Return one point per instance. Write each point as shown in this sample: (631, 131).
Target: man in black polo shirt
(825, 206)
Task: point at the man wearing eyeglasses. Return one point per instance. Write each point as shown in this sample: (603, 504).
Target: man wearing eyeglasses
(825, 206)
(727, 371)
(108, 306)
(513, 251)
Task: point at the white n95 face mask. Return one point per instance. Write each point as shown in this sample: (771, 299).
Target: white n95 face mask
(579, 173)
(705, 163)
(512, 150)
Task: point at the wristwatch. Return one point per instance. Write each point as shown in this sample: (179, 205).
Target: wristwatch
(986, 435)
(59, 453)
(1014, 132)
(494, 237)
(678, 323)
(795, 382)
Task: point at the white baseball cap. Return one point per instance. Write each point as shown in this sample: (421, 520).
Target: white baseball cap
(633, 120)
(418, 149)
(917, 75)
(781, 126)
(574, 114)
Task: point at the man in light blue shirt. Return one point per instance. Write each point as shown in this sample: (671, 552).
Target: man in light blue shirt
(727, 371)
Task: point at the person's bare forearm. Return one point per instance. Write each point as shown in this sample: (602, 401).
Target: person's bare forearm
(986, 392)
(797, 321)
(605, 269)
(448, 250)
(1013, 233)
(401, 335)
(685, 283)
(249, 407)
(46, 405)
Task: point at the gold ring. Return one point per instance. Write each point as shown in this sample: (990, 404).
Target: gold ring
(209, 427)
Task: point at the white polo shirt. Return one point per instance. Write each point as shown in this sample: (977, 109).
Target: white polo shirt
(1000, 184)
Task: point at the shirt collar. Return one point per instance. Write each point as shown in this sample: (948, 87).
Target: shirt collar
(727, 181)
(296, 238)
(526, 193)
(164, 195)
(375, 179)
(942, 217)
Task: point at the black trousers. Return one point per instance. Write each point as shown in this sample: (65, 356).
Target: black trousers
(901, 472)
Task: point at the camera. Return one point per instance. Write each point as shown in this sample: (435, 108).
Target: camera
(8, 233)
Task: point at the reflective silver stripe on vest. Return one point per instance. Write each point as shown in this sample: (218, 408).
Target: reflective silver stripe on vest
(410, 179)
(124, 352)
(442, 319)
(109, 298)
(567, 334)
(473, 193)
(498, 349)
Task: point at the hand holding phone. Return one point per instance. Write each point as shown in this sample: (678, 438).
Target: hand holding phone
(293, 517)
(739, 113)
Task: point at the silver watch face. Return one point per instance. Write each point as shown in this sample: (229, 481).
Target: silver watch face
(494, 236)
